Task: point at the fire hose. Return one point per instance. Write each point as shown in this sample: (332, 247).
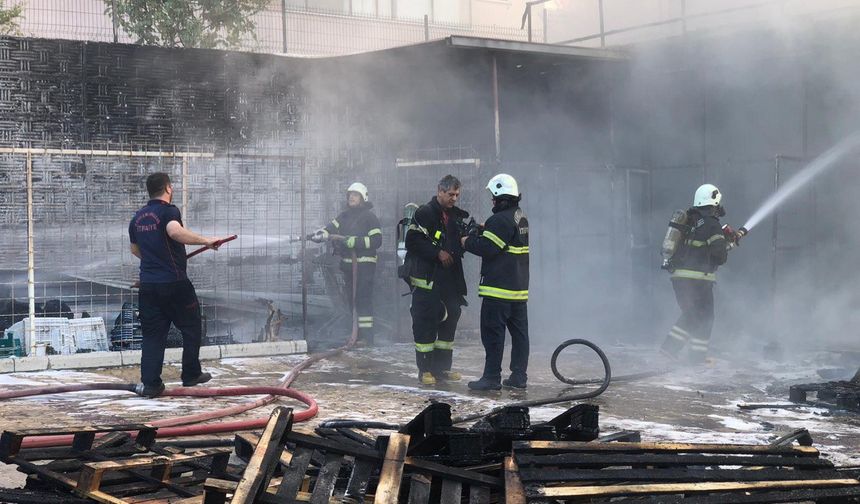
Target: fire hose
(604, 384)
(217, 243)
(188, 425)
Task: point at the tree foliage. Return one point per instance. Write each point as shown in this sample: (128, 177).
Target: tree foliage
(9, 18)
(187, 23)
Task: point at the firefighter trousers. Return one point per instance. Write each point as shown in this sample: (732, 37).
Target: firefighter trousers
(160, 305)
(363, 296)
(496, 316)
(435, 314)
(696, 300)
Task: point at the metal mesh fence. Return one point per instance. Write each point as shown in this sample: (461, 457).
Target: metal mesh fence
(295, 31)
(83, 201)
(622, 22)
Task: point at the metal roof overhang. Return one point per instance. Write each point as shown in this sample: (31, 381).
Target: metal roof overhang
(535, 48)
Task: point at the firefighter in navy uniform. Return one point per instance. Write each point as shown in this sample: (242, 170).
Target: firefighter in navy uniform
(356, 230)
(435, 259)
(503, 245)
(158, 238)
(694, 268)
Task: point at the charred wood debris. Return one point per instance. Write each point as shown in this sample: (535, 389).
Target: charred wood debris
(503, 458)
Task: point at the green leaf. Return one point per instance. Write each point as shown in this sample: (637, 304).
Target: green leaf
(187, 23)
(10, 18)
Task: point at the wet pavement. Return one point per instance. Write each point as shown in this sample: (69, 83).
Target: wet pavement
(684, 404)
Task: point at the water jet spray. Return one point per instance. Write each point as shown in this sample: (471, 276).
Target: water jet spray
(803, 177)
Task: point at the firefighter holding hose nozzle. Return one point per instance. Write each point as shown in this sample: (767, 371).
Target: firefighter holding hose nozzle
(158, 238)
(356, 230)
(694, 247)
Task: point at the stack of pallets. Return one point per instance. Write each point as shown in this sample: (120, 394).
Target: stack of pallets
(540, 471)
(503, 458)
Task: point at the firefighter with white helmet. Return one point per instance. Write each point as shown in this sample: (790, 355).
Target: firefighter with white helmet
(702, 248)
(356, 231)
(503, 245)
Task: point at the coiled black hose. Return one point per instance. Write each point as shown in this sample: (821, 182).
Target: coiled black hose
(604, 384)
(576, 341)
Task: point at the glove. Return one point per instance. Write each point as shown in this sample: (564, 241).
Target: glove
(473, 228)
(470, 228)
(318, 236)
(731, 235)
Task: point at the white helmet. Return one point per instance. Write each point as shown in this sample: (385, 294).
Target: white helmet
(359, 188)
(707, 195)
(503, 185)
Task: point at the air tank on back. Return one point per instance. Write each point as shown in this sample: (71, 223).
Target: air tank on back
(675, 234)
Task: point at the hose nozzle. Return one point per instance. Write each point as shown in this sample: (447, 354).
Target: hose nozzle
(734, 237)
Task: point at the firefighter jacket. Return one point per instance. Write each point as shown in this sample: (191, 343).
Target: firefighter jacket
(704, 248)
(504, 248)
(427, 235)
(361, 232)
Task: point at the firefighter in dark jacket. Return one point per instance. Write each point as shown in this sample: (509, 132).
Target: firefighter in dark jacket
(435, 258)
(503, 245)
(158, 238)
(356, 233)
(694, 268)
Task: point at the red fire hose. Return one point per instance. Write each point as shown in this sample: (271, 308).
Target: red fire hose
(216, 244)
(188, 425)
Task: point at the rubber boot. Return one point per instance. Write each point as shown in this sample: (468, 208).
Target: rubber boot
(427, 378)
(452, 376)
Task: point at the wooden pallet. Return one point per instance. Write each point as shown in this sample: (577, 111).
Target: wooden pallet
(542, 471)
(291, 466)
(835, 394)
(124, 464)
(106, 464)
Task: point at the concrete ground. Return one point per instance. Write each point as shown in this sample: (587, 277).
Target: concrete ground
(689, 404)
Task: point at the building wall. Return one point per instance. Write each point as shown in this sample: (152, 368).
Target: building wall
(578, 134)
(348, 118)
(307, 28)
(738, 110)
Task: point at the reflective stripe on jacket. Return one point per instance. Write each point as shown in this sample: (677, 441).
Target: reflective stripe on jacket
(426, 236)
(361, 231)
(704, 250)
(504, 248)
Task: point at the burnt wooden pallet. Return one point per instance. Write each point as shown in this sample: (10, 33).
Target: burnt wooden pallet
(822, 495)
(83, 437)
(834, 394)
(317, 469)
(566, 471)
(108, 464)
